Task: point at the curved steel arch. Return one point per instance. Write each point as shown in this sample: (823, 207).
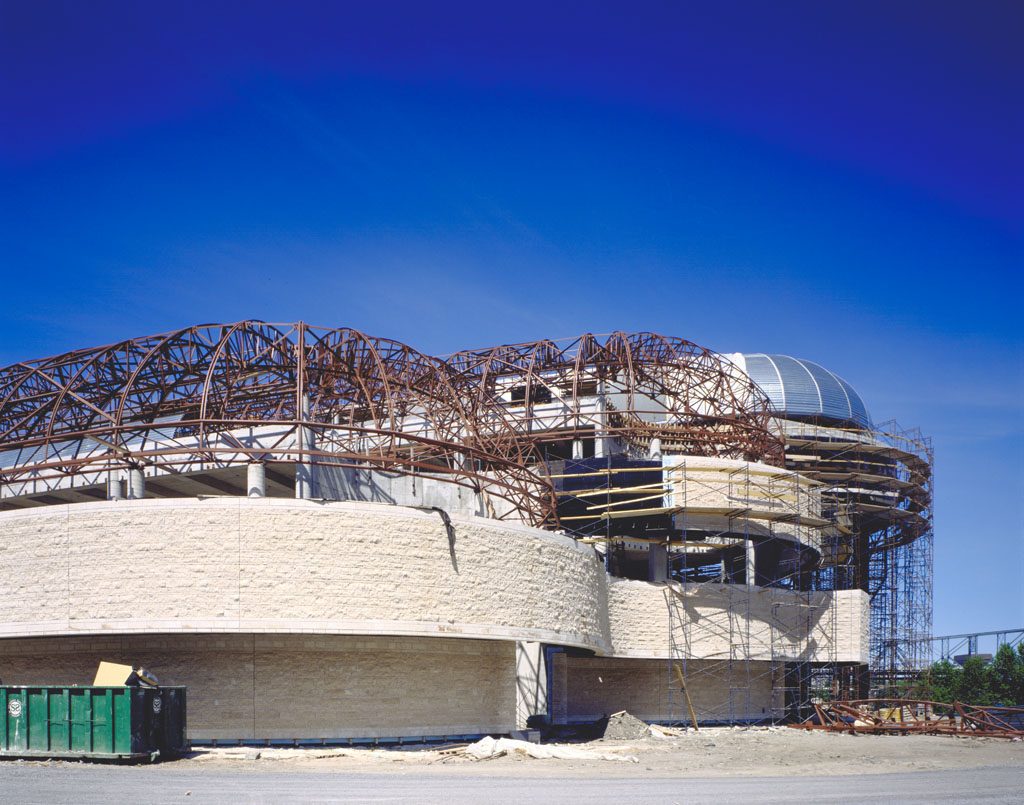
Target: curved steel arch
(371, 401)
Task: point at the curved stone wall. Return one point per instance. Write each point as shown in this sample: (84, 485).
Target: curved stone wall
(262, 565)
(736, 622)
(265, 566)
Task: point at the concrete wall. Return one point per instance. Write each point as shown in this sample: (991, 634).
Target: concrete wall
(294, 686)
(588, 688)
(272, 565)
(374, 486)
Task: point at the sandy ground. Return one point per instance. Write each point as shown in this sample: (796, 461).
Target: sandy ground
(722, 752)
(775, 766)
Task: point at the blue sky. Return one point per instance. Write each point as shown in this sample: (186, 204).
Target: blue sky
(839, 182)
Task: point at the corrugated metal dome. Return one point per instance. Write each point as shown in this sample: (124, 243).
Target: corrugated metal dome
(800, 389)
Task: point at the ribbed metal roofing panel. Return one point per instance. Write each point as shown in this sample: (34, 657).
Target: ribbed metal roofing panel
(859, 411)
(802, 388)
(833, 395)
(766, 375)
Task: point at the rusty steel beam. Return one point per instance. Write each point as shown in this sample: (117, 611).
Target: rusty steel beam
(915, 716)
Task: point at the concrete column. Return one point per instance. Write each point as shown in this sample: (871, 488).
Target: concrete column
(655, 449)
(751, 563)
(531, 682)
(657, 562)
(136, 484)
(256, 480)
(115, 487)
(306, 439)
(577, 449)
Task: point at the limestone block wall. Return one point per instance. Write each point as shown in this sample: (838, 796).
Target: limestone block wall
(589, 688)
(739, 484)
(729, 621)
(847, 627)
(272, 565)
(265, 686)
(332, 620)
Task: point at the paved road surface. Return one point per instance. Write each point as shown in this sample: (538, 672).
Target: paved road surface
(78, 783)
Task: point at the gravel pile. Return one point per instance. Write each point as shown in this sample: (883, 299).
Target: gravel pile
(624, 727)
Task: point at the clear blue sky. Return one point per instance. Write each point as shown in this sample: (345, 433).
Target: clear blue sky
(836, 181)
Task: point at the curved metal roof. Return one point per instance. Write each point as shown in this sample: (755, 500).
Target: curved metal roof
(802, 388)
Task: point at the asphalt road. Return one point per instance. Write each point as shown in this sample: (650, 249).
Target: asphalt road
(79, 783)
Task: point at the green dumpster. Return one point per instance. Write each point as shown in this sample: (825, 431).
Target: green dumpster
(92, 723)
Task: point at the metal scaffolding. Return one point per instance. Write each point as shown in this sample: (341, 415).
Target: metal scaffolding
(879, 495)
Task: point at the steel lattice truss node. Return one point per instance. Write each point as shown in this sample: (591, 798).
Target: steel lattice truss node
(217, 395)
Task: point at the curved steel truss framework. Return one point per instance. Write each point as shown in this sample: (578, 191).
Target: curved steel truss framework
(217, 395)
(646, 386)
(224, 394)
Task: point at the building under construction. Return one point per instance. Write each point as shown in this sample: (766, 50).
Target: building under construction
(329, 536)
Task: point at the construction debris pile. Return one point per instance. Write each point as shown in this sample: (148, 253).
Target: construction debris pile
(916, 716)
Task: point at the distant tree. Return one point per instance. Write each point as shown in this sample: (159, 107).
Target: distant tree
(975, 682)
(1000, 681)
(942, 681)
(1006, 676)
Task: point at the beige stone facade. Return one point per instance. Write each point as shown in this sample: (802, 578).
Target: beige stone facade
(758, 500)
(268, 565)
(316, 620)
(731, 621)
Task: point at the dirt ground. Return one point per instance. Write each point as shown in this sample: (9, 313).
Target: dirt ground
(714, 752)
